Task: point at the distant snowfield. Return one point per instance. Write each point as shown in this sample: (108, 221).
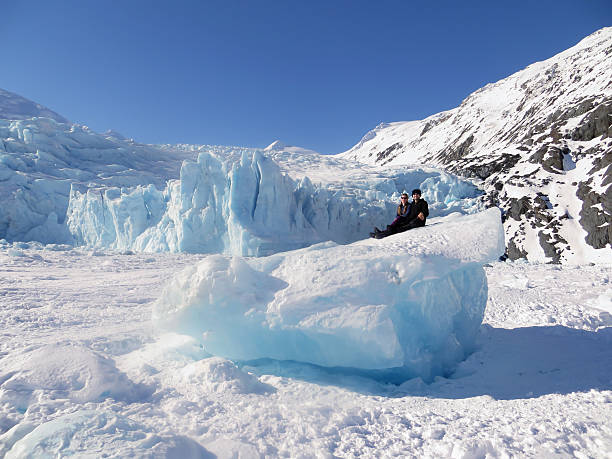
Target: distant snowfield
(83, 371)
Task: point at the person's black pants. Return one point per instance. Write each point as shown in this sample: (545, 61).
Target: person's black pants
(401, 226)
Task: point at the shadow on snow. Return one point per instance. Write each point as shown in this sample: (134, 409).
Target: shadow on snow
(508, 364)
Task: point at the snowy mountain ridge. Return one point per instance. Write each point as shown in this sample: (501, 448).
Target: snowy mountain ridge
(16, 107)
(540, 141)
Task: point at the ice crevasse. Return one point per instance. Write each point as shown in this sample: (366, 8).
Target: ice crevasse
(411, 303)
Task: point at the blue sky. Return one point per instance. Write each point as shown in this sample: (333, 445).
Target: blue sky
(318, 74)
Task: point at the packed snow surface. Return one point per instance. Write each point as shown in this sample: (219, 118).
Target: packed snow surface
(413, 301)
(82, 373)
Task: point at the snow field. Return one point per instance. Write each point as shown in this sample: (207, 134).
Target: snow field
(411, 302)
(519, 394)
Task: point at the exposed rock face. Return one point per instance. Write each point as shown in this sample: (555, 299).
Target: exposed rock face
(540, 141)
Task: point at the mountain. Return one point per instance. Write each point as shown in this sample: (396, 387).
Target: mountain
(539, 142)
(16, 107)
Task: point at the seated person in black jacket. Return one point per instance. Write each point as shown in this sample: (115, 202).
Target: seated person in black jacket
(409, 215)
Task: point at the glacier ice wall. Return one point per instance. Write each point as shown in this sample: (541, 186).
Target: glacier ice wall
(41, 160)
(248, 206)
(412, 302)
(66, 184)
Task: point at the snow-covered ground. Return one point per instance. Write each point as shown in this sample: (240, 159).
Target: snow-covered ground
(81, 364)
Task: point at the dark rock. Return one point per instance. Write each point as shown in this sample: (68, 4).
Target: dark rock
(503, 163)
(461, 150)
(385, 153)
(513, 252)
(434, 122)
(550, 157)
(549, 244)
(517, 207)
(595, 123)
(595, 221)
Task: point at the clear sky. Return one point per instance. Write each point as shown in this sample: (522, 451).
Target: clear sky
(317, 74)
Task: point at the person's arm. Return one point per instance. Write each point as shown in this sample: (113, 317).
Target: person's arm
(424, 213)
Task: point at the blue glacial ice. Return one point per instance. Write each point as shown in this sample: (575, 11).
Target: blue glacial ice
(65, 184)
(248, 206)
(412, 302)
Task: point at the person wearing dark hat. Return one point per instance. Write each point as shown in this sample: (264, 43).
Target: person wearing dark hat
(409, 215)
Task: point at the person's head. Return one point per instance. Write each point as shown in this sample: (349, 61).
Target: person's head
(416, 194)
(404, 198)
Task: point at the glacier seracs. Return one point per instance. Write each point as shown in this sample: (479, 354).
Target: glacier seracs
(246, 205)
(410, 304)
(65, 184)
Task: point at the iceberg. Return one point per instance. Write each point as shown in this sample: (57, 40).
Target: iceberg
(411, 303)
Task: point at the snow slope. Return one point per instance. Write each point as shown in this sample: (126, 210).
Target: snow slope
(16, 107)
(540, 141)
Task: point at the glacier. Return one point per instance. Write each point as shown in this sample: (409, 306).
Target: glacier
(247, 206)
(408, 305)
(64, 184)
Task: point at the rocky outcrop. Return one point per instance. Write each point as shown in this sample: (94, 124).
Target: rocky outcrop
(598, 122)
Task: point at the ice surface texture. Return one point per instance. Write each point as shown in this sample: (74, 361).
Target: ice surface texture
(41, 160)
(412, 302)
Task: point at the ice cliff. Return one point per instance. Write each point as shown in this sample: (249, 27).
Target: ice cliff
(63, 183)
(246, 206)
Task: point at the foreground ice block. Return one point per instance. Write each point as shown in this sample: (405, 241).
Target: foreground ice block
(413, 301)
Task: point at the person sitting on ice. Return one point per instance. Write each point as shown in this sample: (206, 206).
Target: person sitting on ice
(409, 215)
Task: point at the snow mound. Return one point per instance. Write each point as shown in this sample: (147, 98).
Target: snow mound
(90, 433)
(221, 375)
(412, 302)
(63, 371)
